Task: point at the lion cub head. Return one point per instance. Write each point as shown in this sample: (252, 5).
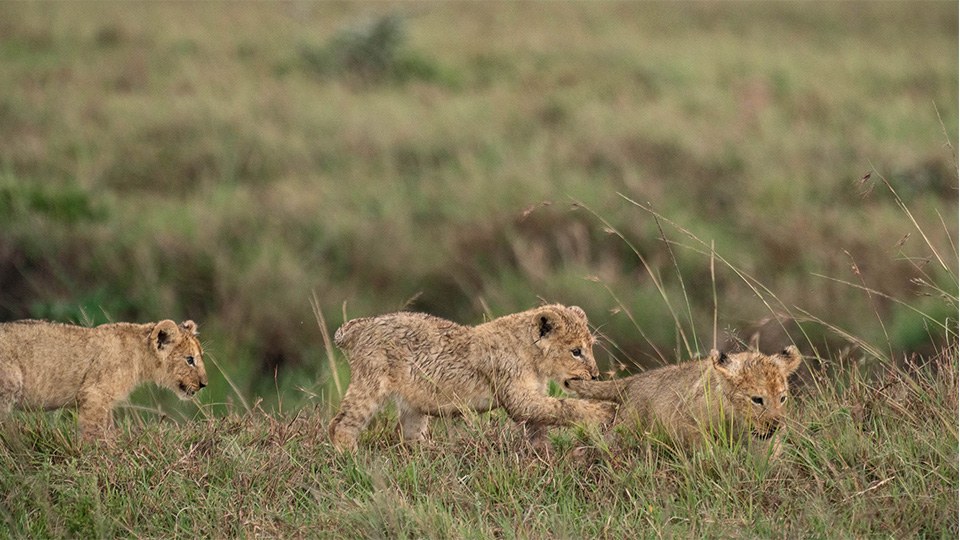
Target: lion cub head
(755, 386)
(179, 354)
(565, 342)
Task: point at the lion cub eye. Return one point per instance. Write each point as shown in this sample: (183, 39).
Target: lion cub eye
(189, 360)
(577, 352)
(783, 398)
(757, 400)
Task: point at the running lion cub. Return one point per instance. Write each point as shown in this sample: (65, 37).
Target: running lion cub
(744, 392)
(46, 366)
(433, 367)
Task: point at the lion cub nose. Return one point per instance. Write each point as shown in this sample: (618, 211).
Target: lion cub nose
(594, 378)
(203, 384)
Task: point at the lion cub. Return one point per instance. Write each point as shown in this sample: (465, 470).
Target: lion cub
(45, 365)
(744, 392)
(434, 367)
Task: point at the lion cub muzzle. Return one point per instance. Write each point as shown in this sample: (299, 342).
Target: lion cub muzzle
(566, 383)
(190, 389)
(766, 434)
(768, 428)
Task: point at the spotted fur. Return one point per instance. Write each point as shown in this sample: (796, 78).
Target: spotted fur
(433, 367)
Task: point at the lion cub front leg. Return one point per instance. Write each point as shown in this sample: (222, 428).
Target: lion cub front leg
(538, 437)
(95, 415)
(538, 409)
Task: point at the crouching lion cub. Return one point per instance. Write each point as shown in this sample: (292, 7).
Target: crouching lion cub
(434, 367)
(744, 392)
(47, 366)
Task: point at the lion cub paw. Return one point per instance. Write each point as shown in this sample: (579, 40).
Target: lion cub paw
(602, 412)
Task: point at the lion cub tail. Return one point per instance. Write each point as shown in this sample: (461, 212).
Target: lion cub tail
(612, 390)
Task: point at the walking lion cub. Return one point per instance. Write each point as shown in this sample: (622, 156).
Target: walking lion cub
(433, 367)
(743, 392)
(45, 365)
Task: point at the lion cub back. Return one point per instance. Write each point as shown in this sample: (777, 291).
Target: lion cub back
(44, 358)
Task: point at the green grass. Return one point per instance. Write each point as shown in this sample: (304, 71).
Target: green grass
(229, 165)
(862, 458)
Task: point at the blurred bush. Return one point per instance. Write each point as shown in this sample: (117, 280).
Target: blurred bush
(372, 53)
(223, 165)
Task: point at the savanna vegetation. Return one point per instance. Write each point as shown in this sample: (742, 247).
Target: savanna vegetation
(691, 174)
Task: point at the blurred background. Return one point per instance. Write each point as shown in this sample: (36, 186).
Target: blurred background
(228, 162)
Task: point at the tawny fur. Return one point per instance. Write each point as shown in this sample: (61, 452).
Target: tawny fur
(48, 366)
(433, 367)
(743, 392)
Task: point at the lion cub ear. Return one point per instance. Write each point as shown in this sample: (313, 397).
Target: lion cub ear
(163, 334)
(189, 326)
(546, 320)
(577, 313)
(727, 365)
(788, 359)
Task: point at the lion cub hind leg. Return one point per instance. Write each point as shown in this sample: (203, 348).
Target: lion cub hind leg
(413, 424)
(362, 400)
(11, 388)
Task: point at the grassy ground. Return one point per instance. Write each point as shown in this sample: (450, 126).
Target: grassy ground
(230, 164)
(861, 459)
